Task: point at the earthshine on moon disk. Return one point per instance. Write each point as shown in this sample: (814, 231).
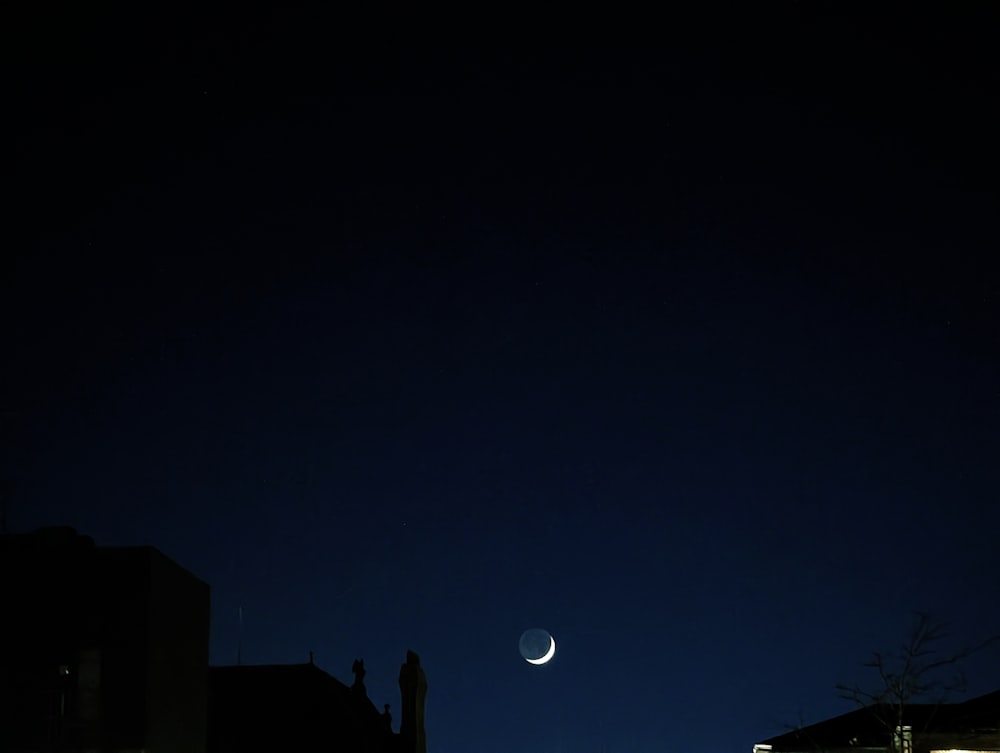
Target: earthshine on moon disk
(537, 646)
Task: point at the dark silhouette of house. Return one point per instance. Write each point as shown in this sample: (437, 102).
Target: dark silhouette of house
(293, 707)
(973, 725)
(101, 648)
(106, 649)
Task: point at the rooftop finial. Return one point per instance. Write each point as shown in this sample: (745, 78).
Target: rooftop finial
(359, 675)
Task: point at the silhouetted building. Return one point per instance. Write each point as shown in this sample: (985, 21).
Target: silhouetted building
(103, 648)
(299, 707)
(106, 649)
(972, 726)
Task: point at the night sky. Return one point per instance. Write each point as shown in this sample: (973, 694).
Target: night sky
(686, 350)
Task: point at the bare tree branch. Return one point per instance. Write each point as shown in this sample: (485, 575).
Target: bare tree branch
(915, 672)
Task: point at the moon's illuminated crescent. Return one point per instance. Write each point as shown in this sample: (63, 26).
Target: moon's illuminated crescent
(548, 654)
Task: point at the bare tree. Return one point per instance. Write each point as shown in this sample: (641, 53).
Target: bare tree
(918, 671)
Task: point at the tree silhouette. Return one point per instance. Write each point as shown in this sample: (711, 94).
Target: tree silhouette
(918, 671)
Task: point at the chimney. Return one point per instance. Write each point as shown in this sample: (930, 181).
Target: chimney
(413, 690)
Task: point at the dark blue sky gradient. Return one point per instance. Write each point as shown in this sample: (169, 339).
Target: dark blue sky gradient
(687, 355)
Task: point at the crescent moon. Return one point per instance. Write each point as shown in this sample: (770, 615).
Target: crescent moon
(548, 654)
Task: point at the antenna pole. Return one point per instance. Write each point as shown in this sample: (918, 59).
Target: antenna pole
(239, 639)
